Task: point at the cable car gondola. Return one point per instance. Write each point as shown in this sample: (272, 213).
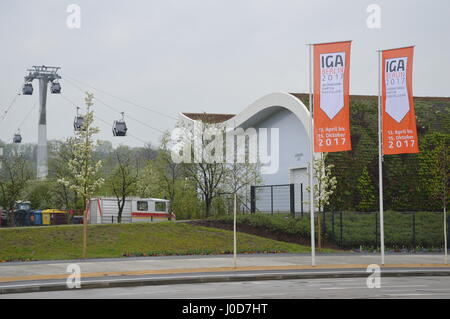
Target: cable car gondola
(55, 88)
(17, 137)
(78, 122)
(120, 127)
(27, 89)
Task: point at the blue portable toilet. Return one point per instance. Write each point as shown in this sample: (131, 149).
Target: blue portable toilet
(37, 217)
(26, 215)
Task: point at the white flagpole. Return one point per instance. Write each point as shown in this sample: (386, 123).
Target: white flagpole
(380, 159)
(311, 171)
(445, 216)
(445, 237)
(234, 233)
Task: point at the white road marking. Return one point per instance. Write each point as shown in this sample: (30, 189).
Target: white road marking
(400, 295)
(363, 287)
(404, 286)
(146, 292)
(437, 289)
(225, 297)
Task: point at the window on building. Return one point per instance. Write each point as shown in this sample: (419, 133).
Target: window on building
(160, 206)
(142, 206)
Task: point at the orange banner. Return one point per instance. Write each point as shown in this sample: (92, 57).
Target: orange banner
(331, 97)
(398, 117)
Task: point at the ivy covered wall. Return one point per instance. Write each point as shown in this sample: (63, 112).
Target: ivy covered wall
(409, 179)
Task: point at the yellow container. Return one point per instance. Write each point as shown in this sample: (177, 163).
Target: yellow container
(46, 214)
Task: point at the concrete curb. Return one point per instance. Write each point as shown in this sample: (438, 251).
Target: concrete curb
(206, 278)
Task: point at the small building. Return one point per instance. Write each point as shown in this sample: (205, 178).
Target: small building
(104, 210)
(281, 121)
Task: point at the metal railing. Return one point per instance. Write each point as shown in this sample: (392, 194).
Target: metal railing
(280, 198)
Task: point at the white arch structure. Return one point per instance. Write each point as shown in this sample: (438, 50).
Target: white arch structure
(270, 102)
(266, 105)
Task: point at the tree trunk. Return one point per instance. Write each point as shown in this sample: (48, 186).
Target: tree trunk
(84, 234)
(207, 206)
(119, 214)
(10, 219)
(85, 231)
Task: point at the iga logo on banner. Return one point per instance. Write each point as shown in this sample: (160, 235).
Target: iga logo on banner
(397, 99)
(331, 97)
(332, 67)
(398, 116)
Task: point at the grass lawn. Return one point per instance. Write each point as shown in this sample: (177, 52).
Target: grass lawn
(65, 242)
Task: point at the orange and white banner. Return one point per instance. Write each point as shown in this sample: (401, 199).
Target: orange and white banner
(398, 117)
(331, 97)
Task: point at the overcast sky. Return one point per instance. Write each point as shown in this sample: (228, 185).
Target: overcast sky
(200, 55)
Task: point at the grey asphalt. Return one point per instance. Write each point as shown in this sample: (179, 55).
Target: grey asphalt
(391, 287)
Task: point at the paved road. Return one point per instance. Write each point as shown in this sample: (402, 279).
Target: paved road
(393, 287)
(173, 278)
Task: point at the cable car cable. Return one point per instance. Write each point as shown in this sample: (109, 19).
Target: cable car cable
(116, 110)
(28, 114)
(5, 112)
(121, 99)
(102, 120)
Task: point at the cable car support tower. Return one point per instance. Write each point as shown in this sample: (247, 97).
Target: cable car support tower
(44, 74)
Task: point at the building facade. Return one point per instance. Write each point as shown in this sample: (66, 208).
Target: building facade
(281, 122)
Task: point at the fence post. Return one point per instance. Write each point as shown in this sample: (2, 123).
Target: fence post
(414, 230)
(271, 199)
(252, 199)
(292, 199)
(340, 217)
(301, 198)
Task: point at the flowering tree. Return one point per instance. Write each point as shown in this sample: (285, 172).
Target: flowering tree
(84, 169)
(324, 187)
(239, 177)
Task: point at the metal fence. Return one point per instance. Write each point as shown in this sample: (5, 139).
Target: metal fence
(403, 230)
(281, 198)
